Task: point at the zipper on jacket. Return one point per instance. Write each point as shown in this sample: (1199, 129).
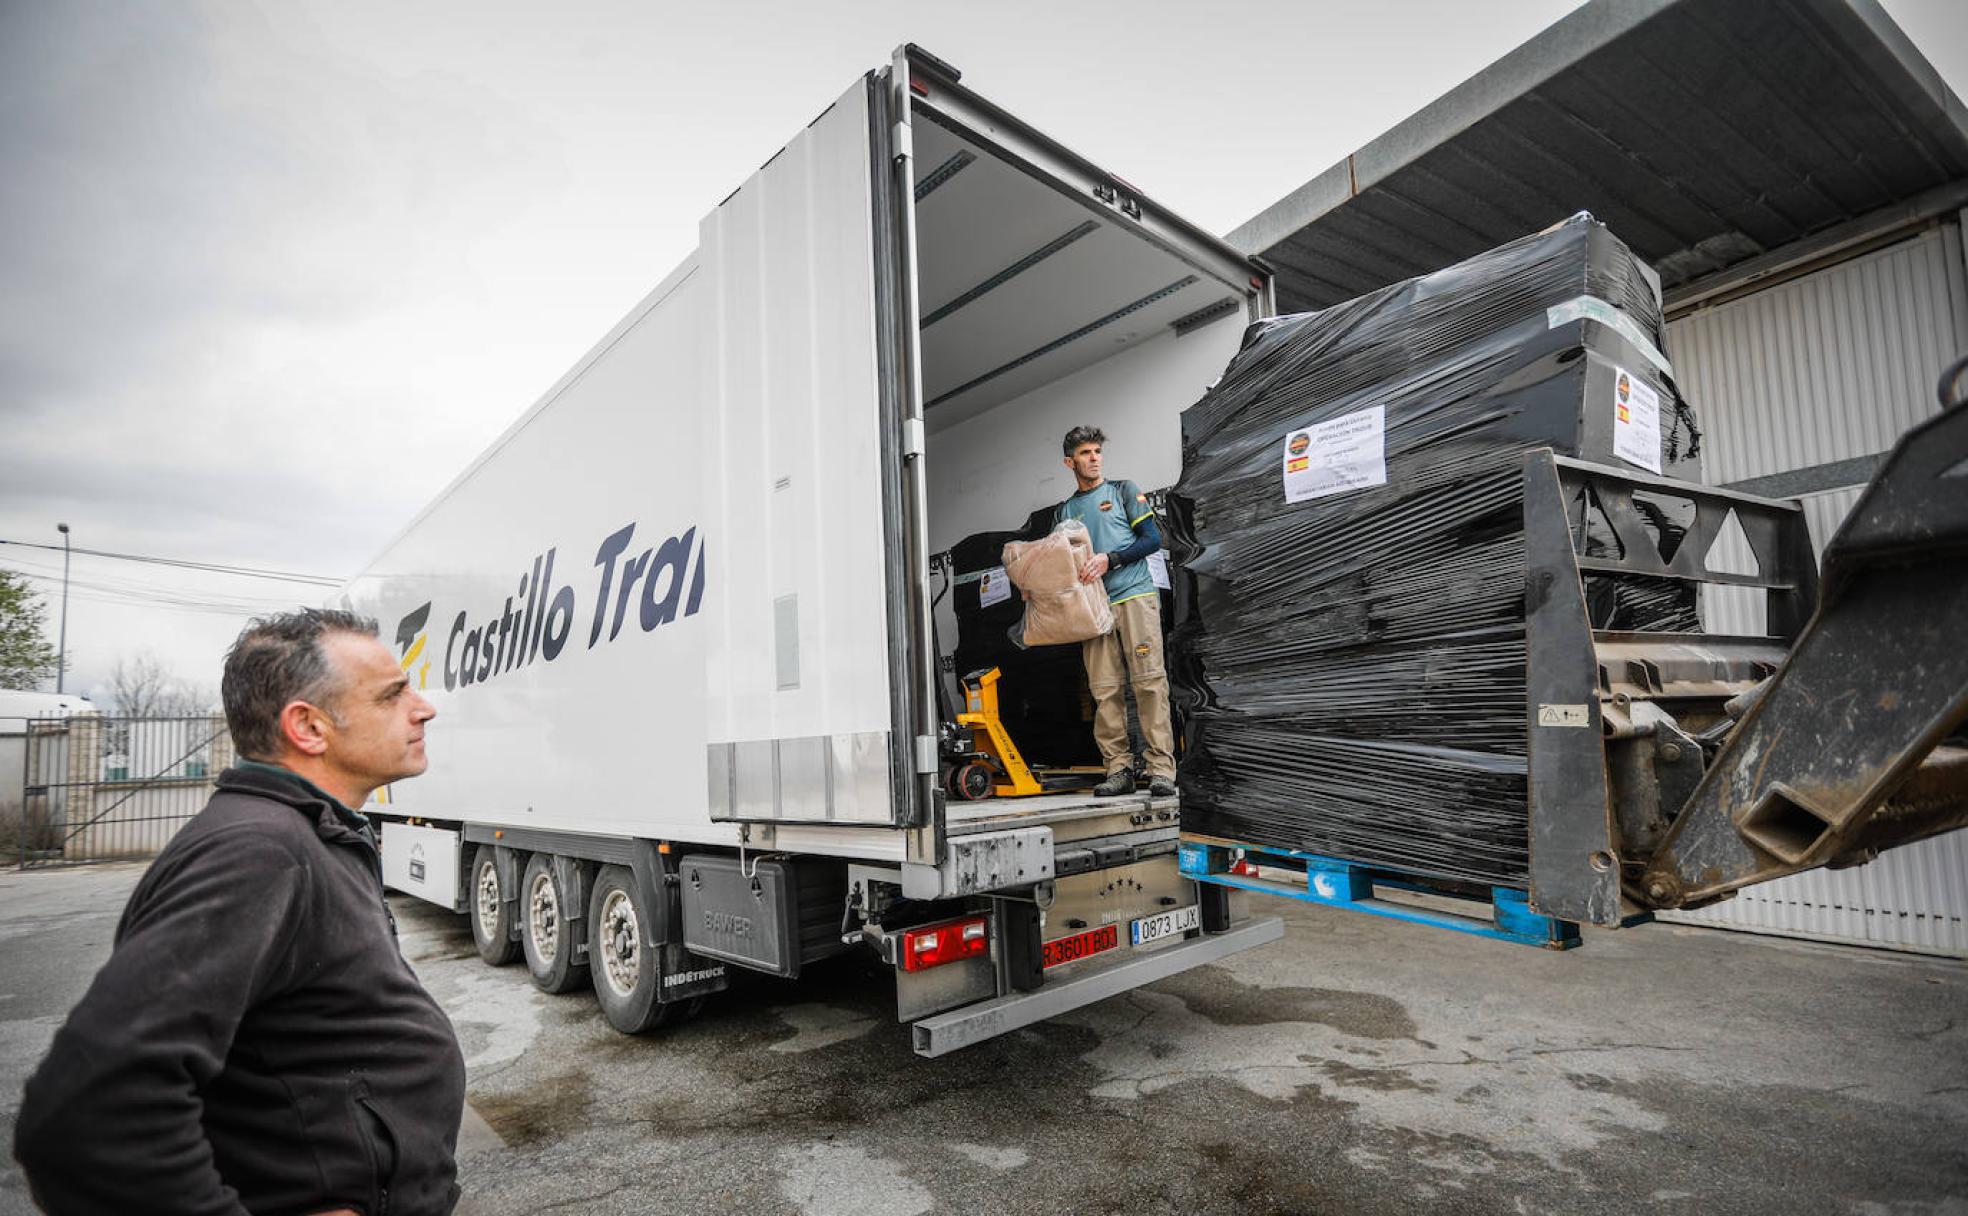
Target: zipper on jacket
(375, 859)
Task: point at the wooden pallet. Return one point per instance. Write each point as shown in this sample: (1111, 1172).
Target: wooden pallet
(1506, 915)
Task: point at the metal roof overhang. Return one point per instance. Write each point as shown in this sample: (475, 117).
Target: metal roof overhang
(1721, 140)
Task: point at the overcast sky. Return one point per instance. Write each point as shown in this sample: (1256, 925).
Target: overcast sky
(271, 276)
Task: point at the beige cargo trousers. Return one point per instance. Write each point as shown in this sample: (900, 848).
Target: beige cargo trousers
(1131, 654)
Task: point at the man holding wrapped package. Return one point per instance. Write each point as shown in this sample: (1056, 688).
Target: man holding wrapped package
(1122, 527)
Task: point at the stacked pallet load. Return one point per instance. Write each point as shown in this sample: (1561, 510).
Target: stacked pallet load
(1349, 640)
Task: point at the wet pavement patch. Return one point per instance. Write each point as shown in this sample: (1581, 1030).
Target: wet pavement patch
(1221, 997)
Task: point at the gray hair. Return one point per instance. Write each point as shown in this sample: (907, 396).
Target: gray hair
(278, 659)
(1084, 434)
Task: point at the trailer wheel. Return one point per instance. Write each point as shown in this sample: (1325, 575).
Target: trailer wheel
(490, 915)
(625, 976)
(545, 934)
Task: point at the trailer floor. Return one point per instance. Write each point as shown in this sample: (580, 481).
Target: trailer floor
(1358, 1066)
(994, 814)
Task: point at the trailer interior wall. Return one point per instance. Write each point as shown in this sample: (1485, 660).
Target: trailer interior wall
(1042, 310)
(1802, 376)
(994, 469)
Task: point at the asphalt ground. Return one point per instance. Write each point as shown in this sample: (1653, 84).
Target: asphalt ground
(1357, 1066)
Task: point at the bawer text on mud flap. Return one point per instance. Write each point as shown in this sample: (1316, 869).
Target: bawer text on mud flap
(680, 619)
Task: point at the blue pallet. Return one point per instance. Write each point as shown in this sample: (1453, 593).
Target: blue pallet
(1345, 884)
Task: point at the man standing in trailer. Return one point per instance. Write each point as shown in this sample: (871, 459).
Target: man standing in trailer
(1122, 528)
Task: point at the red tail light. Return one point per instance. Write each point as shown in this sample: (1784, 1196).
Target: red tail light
(934, 945)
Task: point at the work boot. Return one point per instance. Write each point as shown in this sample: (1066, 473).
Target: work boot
(1115, 785)
(1161, 787)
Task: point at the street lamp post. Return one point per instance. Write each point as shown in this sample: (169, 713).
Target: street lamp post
(61, 656)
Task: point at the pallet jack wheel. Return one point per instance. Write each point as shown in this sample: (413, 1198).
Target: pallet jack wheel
(973, 782)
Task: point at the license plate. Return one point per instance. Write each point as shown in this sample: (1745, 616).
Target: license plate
(1080, 945)
(1165, 924)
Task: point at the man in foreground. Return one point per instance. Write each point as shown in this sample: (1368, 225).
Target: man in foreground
(1122, 527)
(256, 1042)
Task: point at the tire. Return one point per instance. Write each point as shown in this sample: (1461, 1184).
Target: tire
(545, 933)
(488, 911)
(625, 977)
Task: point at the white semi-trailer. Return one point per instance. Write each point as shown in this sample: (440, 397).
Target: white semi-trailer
(678, 620)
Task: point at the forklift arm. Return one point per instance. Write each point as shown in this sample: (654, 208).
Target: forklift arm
(1854, 744)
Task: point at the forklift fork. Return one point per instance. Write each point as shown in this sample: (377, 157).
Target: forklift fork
(1845, 750)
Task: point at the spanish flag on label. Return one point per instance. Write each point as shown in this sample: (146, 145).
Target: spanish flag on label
(1636, 421)
(1336, 456)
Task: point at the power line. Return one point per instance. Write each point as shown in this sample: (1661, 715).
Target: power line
(283, 576)
(119, 591)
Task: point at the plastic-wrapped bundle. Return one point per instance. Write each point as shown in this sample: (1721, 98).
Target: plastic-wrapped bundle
(1059, 606)
(1349, 638)
(1042, 692)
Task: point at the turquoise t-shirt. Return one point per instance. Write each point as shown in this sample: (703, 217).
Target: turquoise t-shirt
(1110, 511)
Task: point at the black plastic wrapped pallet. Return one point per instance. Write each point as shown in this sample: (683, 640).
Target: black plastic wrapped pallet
(1349, 637)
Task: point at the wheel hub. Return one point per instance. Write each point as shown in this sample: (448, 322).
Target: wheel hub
(620, 942)
(487, 903)
(543, 918)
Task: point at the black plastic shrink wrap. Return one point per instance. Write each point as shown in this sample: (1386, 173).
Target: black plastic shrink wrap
(1351, 666)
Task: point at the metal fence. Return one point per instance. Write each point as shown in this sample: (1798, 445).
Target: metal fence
(94, 788)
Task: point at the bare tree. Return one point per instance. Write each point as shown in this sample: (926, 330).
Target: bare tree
(141, 686)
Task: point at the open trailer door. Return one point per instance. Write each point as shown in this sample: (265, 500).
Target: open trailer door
(808, 719)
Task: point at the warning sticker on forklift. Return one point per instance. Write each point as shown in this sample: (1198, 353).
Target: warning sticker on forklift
(1158, 568)
(1347, 453)
(993, 587)
(1563, 715)
(1636, 421)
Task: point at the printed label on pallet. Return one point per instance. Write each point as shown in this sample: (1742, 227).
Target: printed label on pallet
(1158, 568)
(1636, 421)
(1348, 453)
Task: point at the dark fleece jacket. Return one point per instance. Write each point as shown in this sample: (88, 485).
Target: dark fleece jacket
(256, 1041)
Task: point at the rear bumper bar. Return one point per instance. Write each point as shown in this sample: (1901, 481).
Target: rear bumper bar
(946, 1032)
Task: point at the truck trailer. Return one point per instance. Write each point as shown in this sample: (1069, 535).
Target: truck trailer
(679, 624)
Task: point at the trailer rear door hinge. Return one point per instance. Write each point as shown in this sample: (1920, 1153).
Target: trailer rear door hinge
(902, 141)
(914, 443)
(925, 753)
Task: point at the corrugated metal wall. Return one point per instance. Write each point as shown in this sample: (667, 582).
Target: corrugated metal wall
(1830, 366)
(1833, 365)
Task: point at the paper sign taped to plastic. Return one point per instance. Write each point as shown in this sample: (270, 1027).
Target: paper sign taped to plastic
(1158, 568)
(993, 587)
(1348, 453)
(1636, 421)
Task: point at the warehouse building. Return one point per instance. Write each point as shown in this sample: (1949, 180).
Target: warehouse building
(1797, 173)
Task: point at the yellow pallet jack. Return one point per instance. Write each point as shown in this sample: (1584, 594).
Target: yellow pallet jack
(993, 767)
